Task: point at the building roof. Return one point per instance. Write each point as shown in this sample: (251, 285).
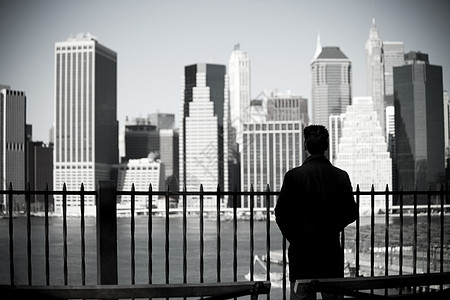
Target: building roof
(331, 52)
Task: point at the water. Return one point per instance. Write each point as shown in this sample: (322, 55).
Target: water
(141, 255)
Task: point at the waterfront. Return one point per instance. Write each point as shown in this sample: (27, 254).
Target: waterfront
(193, 248)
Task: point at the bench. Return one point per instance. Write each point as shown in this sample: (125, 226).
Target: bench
(220, 290)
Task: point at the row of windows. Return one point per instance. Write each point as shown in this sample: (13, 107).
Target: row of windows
(15, 146)
(73, 167)
(264, 127)
(73, 48)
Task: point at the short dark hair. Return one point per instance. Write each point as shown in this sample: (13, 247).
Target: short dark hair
(316, 139)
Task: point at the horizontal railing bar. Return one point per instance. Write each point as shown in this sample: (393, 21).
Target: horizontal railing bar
(380, 282)
(139, 290)
(211, 193)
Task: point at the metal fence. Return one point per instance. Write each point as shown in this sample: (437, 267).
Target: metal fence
(409, 238)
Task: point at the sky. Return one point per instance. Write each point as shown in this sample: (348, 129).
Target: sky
(155, 40)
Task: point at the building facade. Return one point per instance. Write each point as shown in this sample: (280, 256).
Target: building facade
(270, 149)
(240, 90)
(204, 131)
(13, 145)
(140, 172)
(419, 124)
(362, 147)
(286, 107)
(141, 138)
(331, 77)
(85, 114)
(375, 71)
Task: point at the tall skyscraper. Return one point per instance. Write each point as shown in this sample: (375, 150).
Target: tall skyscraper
(86, 127)
(393, 56)
(419, 123)
(13, 144)
(239, 77)
(204, 130)
(331, 79)
(375, 71)
(362, 147)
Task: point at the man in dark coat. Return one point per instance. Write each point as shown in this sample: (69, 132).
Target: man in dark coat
(315, 204)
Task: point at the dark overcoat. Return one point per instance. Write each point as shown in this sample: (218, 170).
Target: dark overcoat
(315, 204)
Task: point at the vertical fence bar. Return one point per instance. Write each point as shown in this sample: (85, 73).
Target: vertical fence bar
(218, 232)
(357, 233)
(372, 231)
(83, 242)
(252, 204)
(28, 207)
(441, 215)
(184, 235)
(400, 256)
(167, 266)
(106, 222)
(386, 236)
(415, 232)
(150, 234)
(201, 233)
(415, 235)
(284, 268)
(132, 228)
(64, 196)
(268, 237)
(11, 234)
(235, 235)
(47, 247)
(428, 230)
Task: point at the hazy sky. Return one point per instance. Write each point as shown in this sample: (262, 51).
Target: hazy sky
(154, 40)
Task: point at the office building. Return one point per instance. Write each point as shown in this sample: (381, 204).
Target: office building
(204, 131)
(419, 124)
(446, 124)
(240, 93)
(331, 84)
(169, 157)
(140, 172)
(375, 72)
(141, 138)
(162, 120)
(269, 150)
(85, 114)
(286, 107)
(362, 147)
(13, 145)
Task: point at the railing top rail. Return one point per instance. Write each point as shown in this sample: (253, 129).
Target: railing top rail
(223, 290)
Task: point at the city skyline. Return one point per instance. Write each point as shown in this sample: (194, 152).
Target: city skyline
(279, 37)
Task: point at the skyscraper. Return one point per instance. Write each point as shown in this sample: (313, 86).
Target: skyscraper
(204, 129)
(141, 138)
(419, 123)
(239, 77)
(13, 144)
(86, 127)
(375, 71)
(362, 147)
(331, 79)
(286, 107)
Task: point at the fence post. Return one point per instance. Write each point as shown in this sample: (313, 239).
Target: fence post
(106, 233)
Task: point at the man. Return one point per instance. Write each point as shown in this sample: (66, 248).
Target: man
(314, 206)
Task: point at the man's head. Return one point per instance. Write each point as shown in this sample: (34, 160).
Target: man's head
(316, 139)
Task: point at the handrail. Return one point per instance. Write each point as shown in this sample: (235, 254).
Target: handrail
(352, 286)
(224, 290)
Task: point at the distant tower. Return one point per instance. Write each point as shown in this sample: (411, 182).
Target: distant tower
(331, 84)
(362, 147)
(204, 129)
(375, 72)
(13, 144)
(239, 78)
(419, 124)
(86, 127)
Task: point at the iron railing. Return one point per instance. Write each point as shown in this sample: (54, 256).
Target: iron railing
(372, 246)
